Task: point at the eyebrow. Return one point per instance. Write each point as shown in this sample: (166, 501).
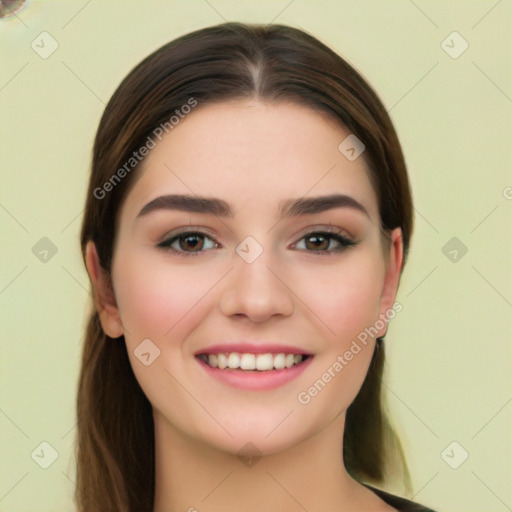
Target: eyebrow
(220, 208)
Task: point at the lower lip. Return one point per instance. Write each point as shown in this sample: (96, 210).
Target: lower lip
(256, 380)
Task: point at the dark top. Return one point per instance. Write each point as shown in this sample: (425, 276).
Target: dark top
(401, 504)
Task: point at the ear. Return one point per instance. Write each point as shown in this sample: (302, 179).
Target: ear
(104, 298)
(394, 260)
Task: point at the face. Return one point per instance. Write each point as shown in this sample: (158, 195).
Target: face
(266, 269)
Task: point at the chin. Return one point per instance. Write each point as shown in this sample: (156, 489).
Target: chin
(255, 435)
(254, 443)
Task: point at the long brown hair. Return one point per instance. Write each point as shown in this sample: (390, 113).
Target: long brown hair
(115, 437)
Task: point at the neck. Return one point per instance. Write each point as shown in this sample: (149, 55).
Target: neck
(193, 476)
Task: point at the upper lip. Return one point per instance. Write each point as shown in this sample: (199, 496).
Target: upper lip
(253, 348)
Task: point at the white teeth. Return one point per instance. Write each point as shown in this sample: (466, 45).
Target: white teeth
(222, 361)
(234, 360)
(279, 362)
(261, 362)
(264, 362)
(212, 360)
(248, 362)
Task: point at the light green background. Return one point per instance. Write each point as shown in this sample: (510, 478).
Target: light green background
(449, 350)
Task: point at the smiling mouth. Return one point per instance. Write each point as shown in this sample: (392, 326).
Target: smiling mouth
(253, 362)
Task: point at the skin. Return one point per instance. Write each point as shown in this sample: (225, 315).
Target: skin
(252, 155)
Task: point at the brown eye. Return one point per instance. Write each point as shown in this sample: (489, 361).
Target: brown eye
(190, 243)
(323, 242)
(317, 243)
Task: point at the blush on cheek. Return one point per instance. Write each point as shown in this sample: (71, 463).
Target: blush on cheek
(343, 311)
(154, 301)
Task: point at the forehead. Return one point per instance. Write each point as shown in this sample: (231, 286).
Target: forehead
(251, 152)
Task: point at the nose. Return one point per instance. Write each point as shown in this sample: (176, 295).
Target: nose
(257, 290)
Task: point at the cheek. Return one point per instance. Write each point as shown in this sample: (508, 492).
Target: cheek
(156, 297)
(345, 298)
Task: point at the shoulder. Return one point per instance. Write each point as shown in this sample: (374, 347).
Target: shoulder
(401, 504)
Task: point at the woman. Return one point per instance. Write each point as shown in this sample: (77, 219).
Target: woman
(247, 222)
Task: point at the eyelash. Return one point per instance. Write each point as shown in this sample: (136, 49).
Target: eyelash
(343, 241)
